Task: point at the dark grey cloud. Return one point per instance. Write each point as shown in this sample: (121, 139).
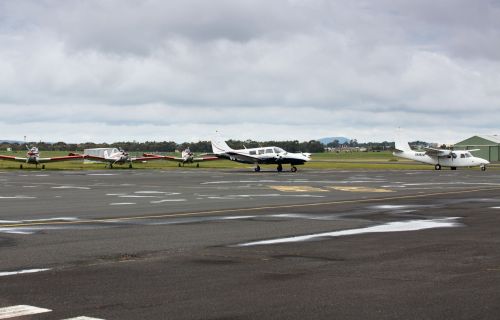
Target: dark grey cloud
(308, 67)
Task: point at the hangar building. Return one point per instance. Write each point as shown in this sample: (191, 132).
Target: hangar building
(489, 146)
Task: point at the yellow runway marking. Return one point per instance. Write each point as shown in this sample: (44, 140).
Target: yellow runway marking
(222, 211)
(360, 189)
(297, 189)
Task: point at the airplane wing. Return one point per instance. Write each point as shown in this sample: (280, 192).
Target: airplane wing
(97, 158)
(12, 158)
(144, 158)
(204, 157)
(231, 155)
(437, 152)
(64, 158)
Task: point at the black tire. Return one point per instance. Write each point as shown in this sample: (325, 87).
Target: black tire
(43, 166)
(453, 168)
(437, 167)
(279, 168)
(130, 166)
(257, 169)
(483, 168)
(20, 166)
(197, 165)
(179, 164)
(293, 169)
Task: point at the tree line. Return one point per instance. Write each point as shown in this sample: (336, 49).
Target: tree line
(312, 146)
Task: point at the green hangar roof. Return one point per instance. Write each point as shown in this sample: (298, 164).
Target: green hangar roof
(489, 146)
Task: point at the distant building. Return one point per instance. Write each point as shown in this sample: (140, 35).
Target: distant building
(489, 146)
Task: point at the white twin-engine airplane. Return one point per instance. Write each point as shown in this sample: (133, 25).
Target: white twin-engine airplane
(186, 157)
(441, 157)
(118, 156)
(265, 155)
(33, 157)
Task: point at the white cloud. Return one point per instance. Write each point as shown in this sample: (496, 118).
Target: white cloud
(136, 70)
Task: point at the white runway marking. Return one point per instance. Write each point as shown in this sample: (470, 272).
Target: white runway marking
(101, 174)
(11, 273)
(158, 192)
(30, 186)
(135, 196)
(17, 197)
(20, 310)
(412, 225)
(121, 203)
(495, 207)
(168, 200)
(83, 318)
(71, 187)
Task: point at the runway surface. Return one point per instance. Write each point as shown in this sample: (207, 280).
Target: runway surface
(219, 244)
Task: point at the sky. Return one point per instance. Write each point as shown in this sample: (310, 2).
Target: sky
(125, 70)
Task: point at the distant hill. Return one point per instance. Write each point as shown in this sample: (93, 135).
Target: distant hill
(341, 140)
(10, 141)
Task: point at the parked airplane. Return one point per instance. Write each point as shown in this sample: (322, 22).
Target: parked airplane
(186, 157)
(33, 157)
(118, 156)
(441, 157)
(257, 156)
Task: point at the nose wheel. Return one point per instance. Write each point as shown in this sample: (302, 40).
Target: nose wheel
(437, 167)
(293, 169)
(483, 168)
(257, 169)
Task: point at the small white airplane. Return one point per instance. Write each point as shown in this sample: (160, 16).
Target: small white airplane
(33, 157)
(257, 156)
(118, 156)
(186, 157)
(441, 157)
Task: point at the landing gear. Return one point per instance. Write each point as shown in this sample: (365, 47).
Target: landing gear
(43, 166)
(483, 168)
(453, 168)
(130, 166)
(437, 167)
(20, 166)
(293, 169)
(279, 168)
(197, 165)
(179, 164)
(110, 166)
(257, 168)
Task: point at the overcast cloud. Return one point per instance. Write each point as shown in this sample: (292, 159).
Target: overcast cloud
(284, 69)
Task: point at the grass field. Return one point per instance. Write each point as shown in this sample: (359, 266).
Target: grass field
(336, 161)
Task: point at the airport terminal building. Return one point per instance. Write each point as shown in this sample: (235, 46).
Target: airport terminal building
(489, 146)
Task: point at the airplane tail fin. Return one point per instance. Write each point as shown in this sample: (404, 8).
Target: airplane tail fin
(219, 146)
(400, 143)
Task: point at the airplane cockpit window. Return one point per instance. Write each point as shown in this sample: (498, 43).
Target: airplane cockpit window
(269, 151)
(462, 155)
(253, 152)
(279, 150)
(468, 155)
(454, 155)
(261, 151)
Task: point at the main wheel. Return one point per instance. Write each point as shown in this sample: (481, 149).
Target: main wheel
(257, 169)
(43, 166)
(437, 167)
(179, 164)
(20, 166)
(197, 165)
(293, 169)
(130, 166)
(483, 168)
(453, 168)
(279, 168)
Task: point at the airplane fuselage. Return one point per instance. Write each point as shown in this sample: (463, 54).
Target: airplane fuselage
(458, 158)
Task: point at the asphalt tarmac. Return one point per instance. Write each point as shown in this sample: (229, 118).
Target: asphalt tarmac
(220, 244)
